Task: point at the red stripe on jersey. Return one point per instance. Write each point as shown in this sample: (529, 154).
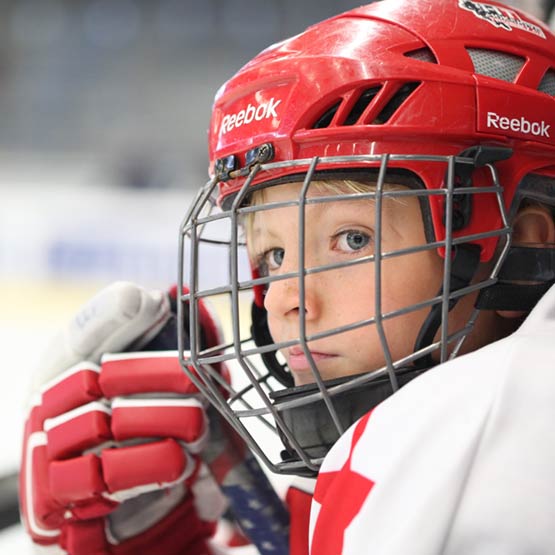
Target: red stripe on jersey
(299, 507)
(341, 495)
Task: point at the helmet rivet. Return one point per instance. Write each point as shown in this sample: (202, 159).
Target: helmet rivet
(260, 154)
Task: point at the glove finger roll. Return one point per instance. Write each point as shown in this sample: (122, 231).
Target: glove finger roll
(130, 471)
(78, 430)
(42, 512)
(182, 419)
(75, 387)
(86, 538)
(117, 474)
(77, 479)
(143, 372)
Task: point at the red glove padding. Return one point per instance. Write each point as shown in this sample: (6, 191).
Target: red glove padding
(94, 442)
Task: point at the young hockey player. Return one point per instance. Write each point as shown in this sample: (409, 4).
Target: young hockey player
(381, 191)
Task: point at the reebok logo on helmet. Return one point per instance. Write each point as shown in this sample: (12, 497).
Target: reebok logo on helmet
(521, 124)
(249, 114)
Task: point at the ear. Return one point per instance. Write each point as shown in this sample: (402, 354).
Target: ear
(532, 225)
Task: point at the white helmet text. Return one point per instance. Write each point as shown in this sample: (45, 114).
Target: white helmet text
(521, 124)
(249, 114)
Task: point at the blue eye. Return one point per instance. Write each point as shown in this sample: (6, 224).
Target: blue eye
(276, 257)
(271, 260)
(352, 241)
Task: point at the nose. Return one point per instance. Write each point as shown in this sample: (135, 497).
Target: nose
(284, 298)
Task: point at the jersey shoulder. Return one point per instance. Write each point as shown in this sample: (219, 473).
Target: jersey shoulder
(449, 454)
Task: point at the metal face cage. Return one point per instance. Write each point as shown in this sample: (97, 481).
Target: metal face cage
(258, 401)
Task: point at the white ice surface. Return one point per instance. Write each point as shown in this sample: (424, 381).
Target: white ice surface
(14, 541)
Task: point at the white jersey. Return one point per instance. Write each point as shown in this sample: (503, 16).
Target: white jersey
(460, 461)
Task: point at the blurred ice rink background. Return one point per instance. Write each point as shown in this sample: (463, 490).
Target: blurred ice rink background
(104, 107)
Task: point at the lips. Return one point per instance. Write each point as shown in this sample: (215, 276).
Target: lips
(297, 360)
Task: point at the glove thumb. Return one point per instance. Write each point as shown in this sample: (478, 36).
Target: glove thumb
(122, 316)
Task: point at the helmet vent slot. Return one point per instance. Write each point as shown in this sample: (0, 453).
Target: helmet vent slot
(422, 55)
(395, 102)
(360, 105)
(325, 119)
(493, 63)
(547, 84)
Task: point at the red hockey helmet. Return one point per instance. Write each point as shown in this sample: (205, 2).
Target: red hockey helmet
(455, 98)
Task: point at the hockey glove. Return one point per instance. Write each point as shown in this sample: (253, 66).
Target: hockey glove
(111, 451)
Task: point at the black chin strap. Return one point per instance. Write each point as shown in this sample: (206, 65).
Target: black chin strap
(463, 268)
(526, 275)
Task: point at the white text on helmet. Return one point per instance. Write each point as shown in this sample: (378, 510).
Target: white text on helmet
(537, 128)
(249, 114)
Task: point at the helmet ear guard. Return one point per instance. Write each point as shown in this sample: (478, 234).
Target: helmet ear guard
(482, 155)
(466, 257)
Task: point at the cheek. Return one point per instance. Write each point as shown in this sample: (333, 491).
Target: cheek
(410, 280)
(351, 296)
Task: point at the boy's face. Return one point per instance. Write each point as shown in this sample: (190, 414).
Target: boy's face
(338, 232)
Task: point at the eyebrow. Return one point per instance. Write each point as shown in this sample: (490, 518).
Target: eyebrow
(259, 237)
(258, 231)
